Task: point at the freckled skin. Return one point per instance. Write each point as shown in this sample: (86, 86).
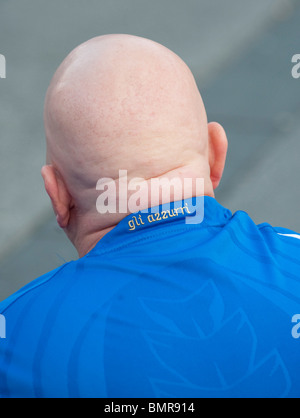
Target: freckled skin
(120, 102)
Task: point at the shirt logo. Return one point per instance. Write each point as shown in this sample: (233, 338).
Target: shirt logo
(139, 221)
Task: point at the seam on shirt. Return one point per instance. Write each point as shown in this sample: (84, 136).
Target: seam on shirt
(290, 242)
(182, 228)
(267, 226)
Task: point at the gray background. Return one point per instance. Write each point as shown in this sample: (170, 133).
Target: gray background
(240, 52)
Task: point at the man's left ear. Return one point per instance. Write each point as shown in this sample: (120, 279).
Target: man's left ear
(59, 195)
(218, 145)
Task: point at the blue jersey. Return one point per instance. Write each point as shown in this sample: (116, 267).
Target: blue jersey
(162, 309)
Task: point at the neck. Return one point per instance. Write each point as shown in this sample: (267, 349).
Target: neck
(92, 227)
(88, 243)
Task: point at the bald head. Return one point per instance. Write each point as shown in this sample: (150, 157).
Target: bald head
(122, 102)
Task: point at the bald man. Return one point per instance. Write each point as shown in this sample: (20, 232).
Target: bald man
(172, 295)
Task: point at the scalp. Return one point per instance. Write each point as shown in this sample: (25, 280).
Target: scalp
(122, 102)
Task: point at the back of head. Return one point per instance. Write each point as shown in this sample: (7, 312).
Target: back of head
(120, 102)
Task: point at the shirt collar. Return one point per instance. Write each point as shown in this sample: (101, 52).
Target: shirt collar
(198, 211)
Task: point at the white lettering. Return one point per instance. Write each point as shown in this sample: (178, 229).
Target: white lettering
(296, 68)
(2, 66)
(296, 329)
(2, 326)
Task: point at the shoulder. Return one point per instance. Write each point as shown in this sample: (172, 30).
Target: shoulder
(264, 238)
(35, 284)
(245, 222)
(283, 235)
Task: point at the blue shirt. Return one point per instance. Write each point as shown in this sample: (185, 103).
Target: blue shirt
(162, 308)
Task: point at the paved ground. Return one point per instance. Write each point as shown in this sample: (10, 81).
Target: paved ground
(240, 53)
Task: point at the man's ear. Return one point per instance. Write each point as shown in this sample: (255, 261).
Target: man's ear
(59, 195)
(218, 145)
